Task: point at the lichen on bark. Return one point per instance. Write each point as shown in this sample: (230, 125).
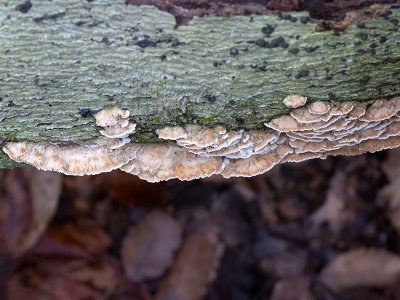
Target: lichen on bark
(62, 61)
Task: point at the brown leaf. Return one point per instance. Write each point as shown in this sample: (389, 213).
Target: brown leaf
(48, 280)
(362, 268)
(333, 212)
(130, 189)
(49, 248)
(285, 264)
(193, 270)
(55, 279)
(28, 200)
(15, 208)
(296, 288)
(101, 276)
(148, 248)
(87, 235)
(392, 191)
(45, 188)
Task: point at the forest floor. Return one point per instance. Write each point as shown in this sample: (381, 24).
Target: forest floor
(322, 229)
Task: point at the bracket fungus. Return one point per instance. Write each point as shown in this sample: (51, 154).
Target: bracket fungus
(316, 130)
(294, 101)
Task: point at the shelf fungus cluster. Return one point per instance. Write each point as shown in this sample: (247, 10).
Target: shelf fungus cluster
(315, 130)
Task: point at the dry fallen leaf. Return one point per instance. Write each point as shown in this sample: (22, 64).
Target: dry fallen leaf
(193, 270)
(392, 191)
(87, 235)
(102, 276)
(54, 280)
(132, 190)
(333, 212)
(296, 288)
(148, 248)
(285, 264)
(28, 200)
(361, 268)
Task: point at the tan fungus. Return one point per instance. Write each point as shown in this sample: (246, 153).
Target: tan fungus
(315, 131)
(72, 160)
(294, 101)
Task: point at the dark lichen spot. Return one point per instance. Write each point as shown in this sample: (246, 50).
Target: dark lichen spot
(211, 98)
(304, 19)
(84, 112)
(373, 45)
(267, 29)
(293, 19)
(358, 43)
(394, 21)
(106, 41)
(260, 42)
(302, 73)
(365, 79)
(234, 52)
(11, 104)
(311, 49)
(331, 96)
(294, 50)
(362, 35)
(80, 23)
(217, 63)
(239, 121)
(146, 43)
(24, 7)
(44, 124)
(49, 17)
(361, 25)
(274, 43)
(284, 45)
(163, 57)
(383, 39)
(386, 14)
(285, 17)
(262, 68)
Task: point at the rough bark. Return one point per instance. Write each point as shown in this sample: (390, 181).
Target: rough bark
(61, 61)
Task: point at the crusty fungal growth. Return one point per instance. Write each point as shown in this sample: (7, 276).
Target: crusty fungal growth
(72, 160)
(294, 101)
(315, 131)
(110, 117)
(156, 162)
(115, 123)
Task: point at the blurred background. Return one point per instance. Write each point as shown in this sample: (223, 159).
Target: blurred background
(322, 229)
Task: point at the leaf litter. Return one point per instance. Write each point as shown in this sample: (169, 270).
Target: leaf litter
(316, 230)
